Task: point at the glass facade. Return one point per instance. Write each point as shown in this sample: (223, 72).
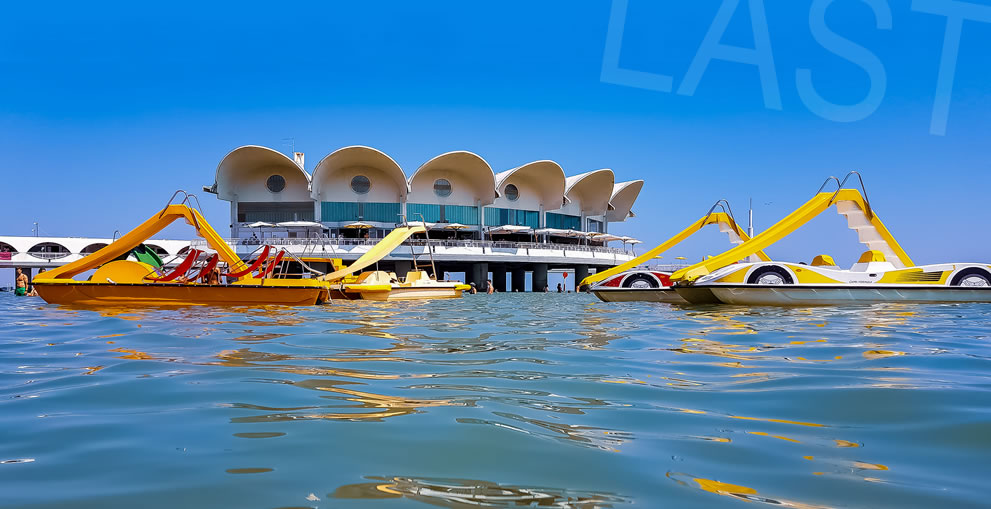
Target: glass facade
(464, 214)
(249, 212)
(338, 211)
(563, 221)
(498, 217)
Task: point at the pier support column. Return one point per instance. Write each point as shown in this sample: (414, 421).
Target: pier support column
(499, 278)
(480, 274)
(581, 272)
(539, 277)
(403, 266)
(519, 280)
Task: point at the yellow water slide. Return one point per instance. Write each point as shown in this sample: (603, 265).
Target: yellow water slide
(377, 252)
(726, 224)
(143, 232)
(849, 202)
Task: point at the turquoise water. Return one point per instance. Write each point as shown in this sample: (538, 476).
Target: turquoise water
(510, 400)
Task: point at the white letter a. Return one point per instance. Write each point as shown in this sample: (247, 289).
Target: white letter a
(760, 56)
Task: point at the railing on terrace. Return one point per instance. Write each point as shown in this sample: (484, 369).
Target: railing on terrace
(315, 242)
(49, 256)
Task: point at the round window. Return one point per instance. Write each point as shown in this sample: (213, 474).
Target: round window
(512, 192)
(276, 183)
(442, 187)
(360, 184)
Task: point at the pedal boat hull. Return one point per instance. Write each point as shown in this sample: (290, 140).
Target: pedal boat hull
(166, 294)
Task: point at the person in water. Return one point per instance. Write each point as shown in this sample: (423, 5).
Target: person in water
(472, 290)
(490, 287)
(559, 288)
(21, 283)
(34, 288)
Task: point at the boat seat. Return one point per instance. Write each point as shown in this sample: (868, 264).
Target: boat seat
(823, 261)
(181, 269)
(254, 266)
(373, 277)
(271, 266)
(210, 264)
(872, 261)
(415, 276)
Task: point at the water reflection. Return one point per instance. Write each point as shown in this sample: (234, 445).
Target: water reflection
(798, 399)
(462, 493)
(735, 491)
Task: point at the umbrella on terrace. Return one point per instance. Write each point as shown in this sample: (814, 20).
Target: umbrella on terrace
(455, 226)
(358, 226)
(260, 224)
(299, 224)
(429, 226)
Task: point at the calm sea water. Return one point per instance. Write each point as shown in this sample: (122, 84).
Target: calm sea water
(510, 400)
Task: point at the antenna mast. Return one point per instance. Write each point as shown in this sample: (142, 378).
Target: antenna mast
(750, 229)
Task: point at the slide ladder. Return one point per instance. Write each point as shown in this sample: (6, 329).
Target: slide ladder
(377, 252)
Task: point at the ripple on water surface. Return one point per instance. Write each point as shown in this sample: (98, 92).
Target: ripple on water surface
(545, 400)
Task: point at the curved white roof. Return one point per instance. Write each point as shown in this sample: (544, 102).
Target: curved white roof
(255, 161)
(592, 190)
(623, 196)
(475, 169)
(547, 176)
(358, 155)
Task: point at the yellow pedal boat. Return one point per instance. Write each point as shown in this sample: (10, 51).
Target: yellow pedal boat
(118, 281)
(885, 273)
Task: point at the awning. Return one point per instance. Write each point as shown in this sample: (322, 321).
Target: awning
(299, 224)
(605, 237)
(554, 231)
(509, 228)
(586, 235)
(429, 226)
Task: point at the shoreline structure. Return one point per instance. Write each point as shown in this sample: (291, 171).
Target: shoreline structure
(529, 219)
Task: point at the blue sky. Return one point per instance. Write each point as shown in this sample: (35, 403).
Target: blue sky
(106, 109)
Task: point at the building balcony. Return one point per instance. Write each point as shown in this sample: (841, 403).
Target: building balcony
(456, 251)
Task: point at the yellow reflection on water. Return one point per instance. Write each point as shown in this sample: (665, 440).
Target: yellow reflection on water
(132, 354)
(715, 348)
(92, 369)
(745, 493)
(779, 437)
(880, 354)
(782, 421)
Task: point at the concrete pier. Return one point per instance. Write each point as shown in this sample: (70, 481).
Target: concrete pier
(499, 278)
(403, 267)
(581, 272)
(539, 279)
(480, 274)
(519, 280)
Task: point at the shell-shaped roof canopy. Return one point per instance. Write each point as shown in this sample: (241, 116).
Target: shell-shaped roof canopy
(623, 196)
(592, 190)
(252, 159)
(475, 169)
(546, 176)
(358, 155)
